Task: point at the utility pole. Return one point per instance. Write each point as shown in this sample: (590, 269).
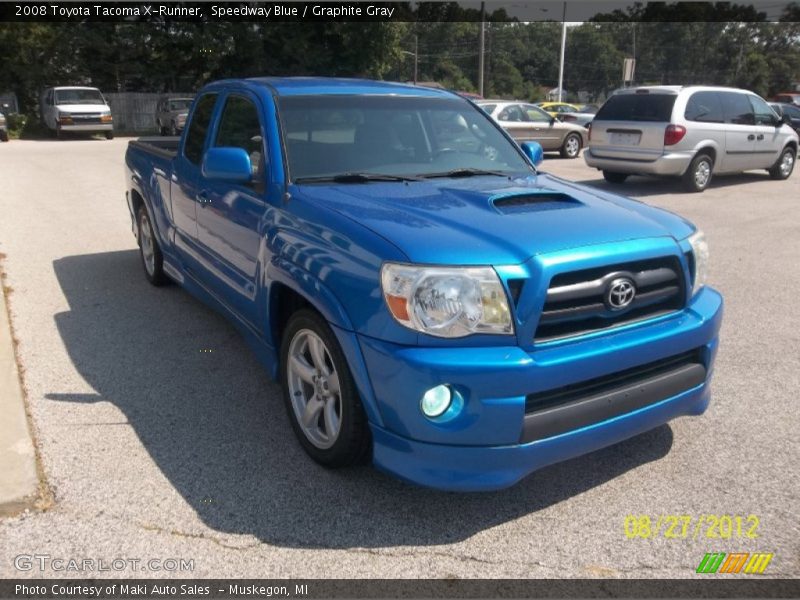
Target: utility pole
(563, 50)
(416, 56)
(481, 49)
(634, 51)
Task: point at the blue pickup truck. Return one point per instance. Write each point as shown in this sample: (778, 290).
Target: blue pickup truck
(428, 299)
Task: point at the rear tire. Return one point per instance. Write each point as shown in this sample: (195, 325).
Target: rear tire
(614, 177)
(3, 135)
(571, 147)
(109, 135)
(173, 130)
(698, 176)
(320, 395)
(784, 166)
(149, 251)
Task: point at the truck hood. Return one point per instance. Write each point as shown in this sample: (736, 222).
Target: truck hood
(82, 108)
(492, 220)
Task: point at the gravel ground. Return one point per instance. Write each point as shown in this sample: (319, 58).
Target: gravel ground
(155, 449)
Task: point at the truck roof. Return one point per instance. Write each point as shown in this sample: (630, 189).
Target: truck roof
(303, 86)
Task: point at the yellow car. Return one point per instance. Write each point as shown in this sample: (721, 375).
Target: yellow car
(566, 112)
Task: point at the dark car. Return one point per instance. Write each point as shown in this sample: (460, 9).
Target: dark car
(792, 111)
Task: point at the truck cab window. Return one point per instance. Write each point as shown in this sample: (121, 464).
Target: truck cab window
(196, 134)
(240, 128)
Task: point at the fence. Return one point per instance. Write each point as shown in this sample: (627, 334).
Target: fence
(136, 112)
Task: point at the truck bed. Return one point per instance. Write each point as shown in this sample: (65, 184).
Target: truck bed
(165, 147)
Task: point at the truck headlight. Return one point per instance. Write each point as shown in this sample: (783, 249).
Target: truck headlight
(700, 254)
(446, 301)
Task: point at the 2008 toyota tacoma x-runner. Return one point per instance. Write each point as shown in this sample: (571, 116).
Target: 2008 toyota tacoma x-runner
(428, 300)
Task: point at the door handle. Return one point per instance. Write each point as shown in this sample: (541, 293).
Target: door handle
(760, 137)
(203, 199)
(751, 137)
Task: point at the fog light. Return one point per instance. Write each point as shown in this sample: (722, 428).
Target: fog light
(436, 401)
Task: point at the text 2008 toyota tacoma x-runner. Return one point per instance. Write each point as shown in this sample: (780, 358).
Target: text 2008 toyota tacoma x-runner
(428, 300)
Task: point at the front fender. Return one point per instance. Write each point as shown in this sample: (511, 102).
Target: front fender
(317, 294)
(311, 288)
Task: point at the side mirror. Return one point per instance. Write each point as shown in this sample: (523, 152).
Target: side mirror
(227, 164)
(533, 150)
(785, 118)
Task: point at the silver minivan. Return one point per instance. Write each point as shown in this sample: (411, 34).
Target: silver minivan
(690, 132)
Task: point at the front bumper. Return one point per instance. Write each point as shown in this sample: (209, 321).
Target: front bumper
(671, 163)
(87, 127)
(484, 446)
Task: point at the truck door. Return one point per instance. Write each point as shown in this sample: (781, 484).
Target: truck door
(186, 173)
(230, 217)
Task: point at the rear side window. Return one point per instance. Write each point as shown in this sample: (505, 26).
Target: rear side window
(737, 108)
(637, 107)
(196, 133)
(704, 107)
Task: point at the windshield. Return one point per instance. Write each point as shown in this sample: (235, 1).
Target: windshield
(79, 97)
(330, 135)
(179, 104)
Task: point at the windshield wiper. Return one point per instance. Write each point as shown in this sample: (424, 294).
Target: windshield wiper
(465, 173)
(356, 178)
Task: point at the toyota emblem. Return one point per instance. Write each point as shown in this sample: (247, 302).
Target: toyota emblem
(620, 293)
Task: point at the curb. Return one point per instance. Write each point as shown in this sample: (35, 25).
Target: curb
(19, 480)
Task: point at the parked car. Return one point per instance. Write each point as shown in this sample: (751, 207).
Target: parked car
(3, 124)
(171, 115)
(428, 300)
(76, 109)
(529, 123)
(690, 132)
(588, 108)
(569, 113)
(788, 98)
(789, 113)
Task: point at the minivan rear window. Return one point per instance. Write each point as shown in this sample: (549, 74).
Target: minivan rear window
(637, 107)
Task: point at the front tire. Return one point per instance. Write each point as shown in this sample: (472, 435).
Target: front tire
(571, 147)
(614, 177)
(149, 251)
(784, 166)
(320, 396)
(698, 176)
(109, 135)
(173, 130)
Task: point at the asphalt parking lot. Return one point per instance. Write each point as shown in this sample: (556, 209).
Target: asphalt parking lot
(161, 437)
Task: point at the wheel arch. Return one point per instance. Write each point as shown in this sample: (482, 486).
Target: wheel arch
(286, 296)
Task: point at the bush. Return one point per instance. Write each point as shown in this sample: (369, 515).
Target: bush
(16, 123)
(22, 126)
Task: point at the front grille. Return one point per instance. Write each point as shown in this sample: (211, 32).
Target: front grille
(578, 405)
(86, 118)
(579, 302)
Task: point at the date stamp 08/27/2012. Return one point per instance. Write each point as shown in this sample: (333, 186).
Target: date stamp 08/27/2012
(681, 527)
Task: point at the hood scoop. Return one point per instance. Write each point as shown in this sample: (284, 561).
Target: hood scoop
(533, 201)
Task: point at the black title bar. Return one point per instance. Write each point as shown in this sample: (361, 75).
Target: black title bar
(365, 10)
